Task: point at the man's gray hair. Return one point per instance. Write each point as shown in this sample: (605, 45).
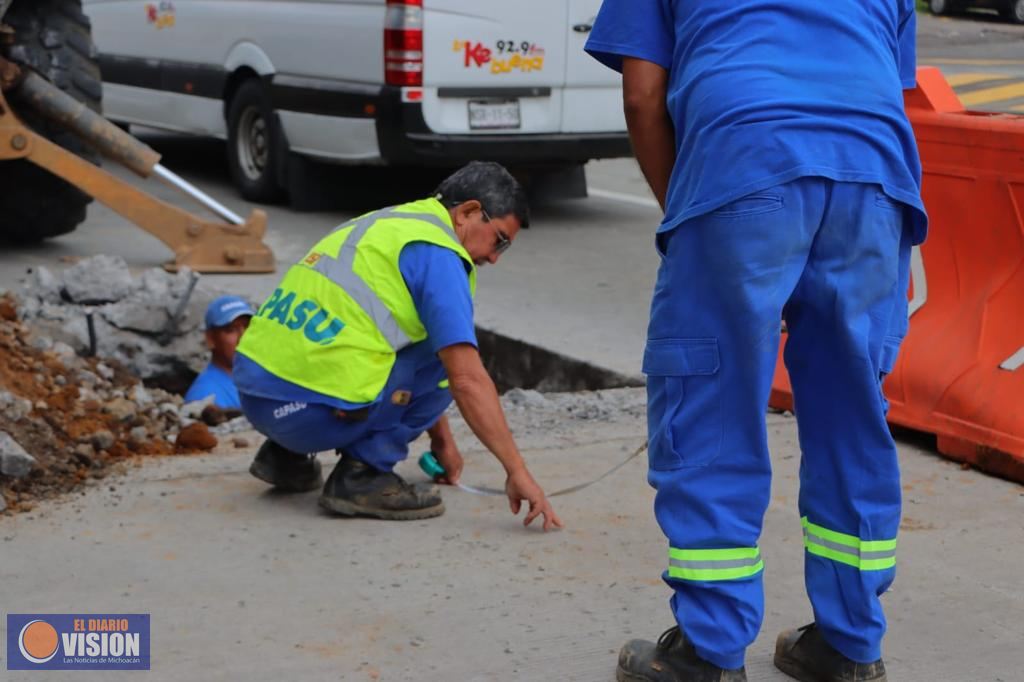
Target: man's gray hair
(488, 182)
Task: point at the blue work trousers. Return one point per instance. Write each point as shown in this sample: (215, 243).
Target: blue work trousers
(382, 438)
(832, 259)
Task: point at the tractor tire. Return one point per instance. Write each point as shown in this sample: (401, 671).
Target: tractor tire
(54, 38)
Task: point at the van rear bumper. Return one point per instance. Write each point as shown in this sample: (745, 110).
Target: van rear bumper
(404, 138)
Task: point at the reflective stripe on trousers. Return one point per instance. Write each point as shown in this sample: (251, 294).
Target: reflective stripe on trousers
(867, 555)
(714, 564)
(340, 271)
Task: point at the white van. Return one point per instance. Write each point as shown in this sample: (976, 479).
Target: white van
(385, 82)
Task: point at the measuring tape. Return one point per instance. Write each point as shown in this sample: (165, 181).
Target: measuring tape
(431, 467)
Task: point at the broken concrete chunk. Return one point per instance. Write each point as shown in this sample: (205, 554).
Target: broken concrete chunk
(194, 409)
(14, 407)
(14, 461)
(104, 371)
(236, 425)
(141, 396)
(63, 351)
(525, 398)
(138, 314)
(103, 440)
(156, 284)
(45, 285)
(99, 279)
(43, 343)
(84, 454)
(121, 409)
(87, 378)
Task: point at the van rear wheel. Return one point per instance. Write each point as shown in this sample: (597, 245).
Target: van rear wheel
(941, 7)
(1013, 11)
(254, 144)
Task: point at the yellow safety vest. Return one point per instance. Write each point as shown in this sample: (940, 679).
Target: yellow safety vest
(340, 315)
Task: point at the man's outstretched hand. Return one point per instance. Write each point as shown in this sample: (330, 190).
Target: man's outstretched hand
(521, 486)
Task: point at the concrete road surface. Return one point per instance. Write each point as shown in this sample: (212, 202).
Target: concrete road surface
(245, 584)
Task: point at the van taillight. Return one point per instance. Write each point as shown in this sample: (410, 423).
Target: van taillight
(403, 43)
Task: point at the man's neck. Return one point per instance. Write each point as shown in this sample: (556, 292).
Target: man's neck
(221, 363)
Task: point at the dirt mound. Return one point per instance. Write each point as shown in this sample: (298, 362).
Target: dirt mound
(75, 417)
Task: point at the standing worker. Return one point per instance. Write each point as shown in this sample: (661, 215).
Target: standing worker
(773, 134)
(369, 337)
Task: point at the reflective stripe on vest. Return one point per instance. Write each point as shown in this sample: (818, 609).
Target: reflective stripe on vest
(714, 564)
(339, 316)
(866, 555)
(340, 271)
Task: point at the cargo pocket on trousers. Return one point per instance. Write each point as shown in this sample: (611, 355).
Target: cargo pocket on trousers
(890, 351)
(684, 402)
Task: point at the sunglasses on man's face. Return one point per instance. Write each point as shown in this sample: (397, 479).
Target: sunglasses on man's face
(502, 242)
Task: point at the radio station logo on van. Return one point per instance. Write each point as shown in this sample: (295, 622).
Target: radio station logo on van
(161, 14)
(73, 641)
(505, 56)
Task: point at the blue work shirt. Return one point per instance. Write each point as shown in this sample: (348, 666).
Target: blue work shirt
(218, 383)
(762, 92)
(438, 283)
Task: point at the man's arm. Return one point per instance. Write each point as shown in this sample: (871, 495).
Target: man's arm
(477, 399)
(644, 92)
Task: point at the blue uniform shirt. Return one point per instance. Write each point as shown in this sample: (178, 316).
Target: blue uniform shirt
(218, 383)
(762, 92)
(437, 280)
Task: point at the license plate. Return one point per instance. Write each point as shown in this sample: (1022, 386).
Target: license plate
(491, 115)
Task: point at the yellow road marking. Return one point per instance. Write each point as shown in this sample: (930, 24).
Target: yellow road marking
(989, 95)
(958, 79)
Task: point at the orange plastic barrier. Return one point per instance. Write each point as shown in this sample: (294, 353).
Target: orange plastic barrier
(960, 372)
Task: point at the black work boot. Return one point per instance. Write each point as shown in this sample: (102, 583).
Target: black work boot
(357, 489)
(286, 470)
(672, 659)
(805, 655)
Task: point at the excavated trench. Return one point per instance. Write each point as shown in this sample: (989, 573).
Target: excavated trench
(510, 362)
(517, 364)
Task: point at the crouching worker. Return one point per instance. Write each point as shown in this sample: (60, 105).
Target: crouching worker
(367, 340)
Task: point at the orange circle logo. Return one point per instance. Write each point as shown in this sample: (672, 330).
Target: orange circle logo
(38, 641)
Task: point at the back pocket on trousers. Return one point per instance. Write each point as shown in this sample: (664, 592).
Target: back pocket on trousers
(684, 402)
(758, 203)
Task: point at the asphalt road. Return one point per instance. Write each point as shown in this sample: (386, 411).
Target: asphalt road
(981, 56)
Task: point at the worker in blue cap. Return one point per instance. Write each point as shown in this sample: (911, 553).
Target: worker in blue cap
(227, 318)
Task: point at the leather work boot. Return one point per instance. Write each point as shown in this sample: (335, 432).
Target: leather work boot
(357, 489)
(286, 470)
(672, 659)
(805, 655)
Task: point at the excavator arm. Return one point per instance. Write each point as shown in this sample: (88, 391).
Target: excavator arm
(202, 245)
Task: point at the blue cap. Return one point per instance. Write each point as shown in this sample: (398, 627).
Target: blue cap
(225, 310)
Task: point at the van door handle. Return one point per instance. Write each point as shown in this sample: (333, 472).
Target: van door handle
(583, 28)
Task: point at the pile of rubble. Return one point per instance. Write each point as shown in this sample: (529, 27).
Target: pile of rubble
(151, 324)
(72, 405)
